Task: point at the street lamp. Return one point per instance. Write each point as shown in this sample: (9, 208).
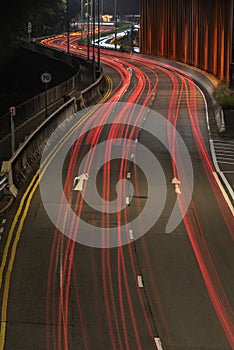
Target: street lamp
(115, 15)
(98, 10)
(87, 15)
(93, 30)
(68, 28)
(82, 17)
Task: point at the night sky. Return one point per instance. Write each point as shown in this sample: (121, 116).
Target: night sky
(123, 6)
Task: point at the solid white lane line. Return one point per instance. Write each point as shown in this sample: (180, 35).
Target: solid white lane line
(158, 343)
(140, 281)
(213, 154)
(224, 193)
(177, 189)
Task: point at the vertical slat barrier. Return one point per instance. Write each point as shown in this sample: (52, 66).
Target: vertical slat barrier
(195, 32)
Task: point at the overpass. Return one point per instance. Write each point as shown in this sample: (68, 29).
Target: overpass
(198, 33)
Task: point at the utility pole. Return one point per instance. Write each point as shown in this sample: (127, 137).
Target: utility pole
(102, 8)
(82, 17)
(12, 111)
(87, 14)
(98, 10)
(115, 15)
(68, 29)
(93, 18)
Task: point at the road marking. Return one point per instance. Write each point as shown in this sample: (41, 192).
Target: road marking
(227, 184)
(177, 189)
(213, 144)
(140, 281)
(131, 234)
(1, 230)
(224, 162)
(10, 267)
(132, 156)
(229, 142)
(128, 175)
(176, 182)
(226, 149)
(3, 221)
(158, 343)
(224, 192)
(225, 153)
(127, 200)
(28, 193)
(79, 181)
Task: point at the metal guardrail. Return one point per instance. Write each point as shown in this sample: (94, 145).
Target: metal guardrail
(16, 169)
(20, 164)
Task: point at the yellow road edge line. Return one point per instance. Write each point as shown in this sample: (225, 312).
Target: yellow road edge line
(22, 220)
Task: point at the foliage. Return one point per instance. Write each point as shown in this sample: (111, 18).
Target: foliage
(47, 16)
(224, 96)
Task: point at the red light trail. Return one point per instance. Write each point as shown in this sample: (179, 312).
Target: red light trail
(146, 82)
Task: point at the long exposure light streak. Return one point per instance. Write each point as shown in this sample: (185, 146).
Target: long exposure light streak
(146, 86)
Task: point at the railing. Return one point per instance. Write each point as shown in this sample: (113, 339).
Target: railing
(36, 104)
(20, 164)
(17, 168)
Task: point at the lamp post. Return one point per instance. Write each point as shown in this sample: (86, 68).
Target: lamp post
(12, 111)
(98, 10)
(68, 28)
(87, 16)
(93, 37)
(102, 8)
(115, 15)
(82, 17)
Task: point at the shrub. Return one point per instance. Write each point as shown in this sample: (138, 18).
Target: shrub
(224, 96)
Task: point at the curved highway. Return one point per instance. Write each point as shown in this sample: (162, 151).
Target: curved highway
(165, 285)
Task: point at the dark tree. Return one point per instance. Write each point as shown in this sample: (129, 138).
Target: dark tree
(46, 16)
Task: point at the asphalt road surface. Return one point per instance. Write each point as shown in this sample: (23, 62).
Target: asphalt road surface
(164, 290)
